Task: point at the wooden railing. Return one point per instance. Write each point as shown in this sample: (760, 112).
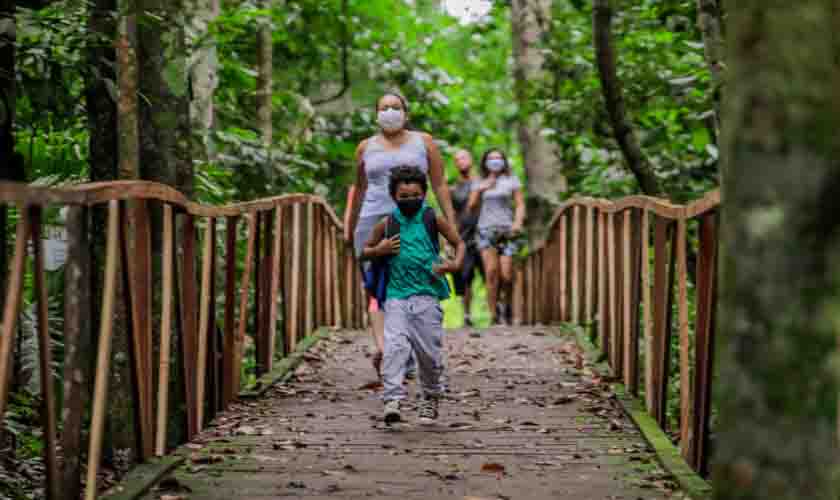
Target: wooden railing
(294, 254)
(596, 268)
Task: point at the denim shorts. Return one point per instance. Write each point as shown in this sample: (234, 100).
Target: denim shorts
(496, 237)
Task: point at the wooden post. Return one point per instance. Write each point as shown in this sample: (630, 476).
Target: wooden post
(47, 385)
(230, 363)
(11, 310)
(336, 279)
(705, 340)
(647, 305)
(686, 399)
(309, 300)
(661, 318)
(292, 321)
(615, 348)
(103, 361)
(589, 264)
(603, 285)
(137, 270)
(563, 269)
(256, 313)
(189, 319)
(276, 263)
(574, 228)
(165, 331)
(253, 220)
(630, 345)
(204, 332)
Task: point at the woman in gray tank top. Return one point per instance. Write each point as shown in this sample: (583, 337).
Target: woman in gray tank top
(370, 200)
(502, 213)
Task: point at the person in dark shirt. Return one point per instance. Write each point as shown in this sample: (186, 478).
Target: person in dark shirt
(467, 222)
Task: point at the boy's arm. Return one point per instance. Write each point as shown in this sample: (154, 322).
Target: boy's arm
(377, 246)
(451, 234)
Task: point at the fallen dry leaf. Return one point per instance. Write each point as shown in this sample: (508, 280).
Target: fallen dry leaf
(493, 468)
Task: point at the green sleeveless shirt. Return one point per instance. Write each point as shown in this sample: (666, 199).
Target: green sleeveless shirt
(410, 271)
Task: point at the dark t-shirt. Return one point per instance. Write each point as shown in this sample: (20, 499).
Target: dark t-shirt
(467, 221)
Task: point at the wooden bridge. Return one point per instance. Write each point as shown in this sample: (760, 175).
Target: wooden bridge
(622, 270)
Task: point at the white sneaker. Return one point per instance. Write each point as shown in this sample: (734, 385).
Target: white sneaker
(392, 412)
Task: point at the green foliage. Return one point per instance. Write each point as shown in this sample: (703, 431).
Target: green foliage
(667, 90)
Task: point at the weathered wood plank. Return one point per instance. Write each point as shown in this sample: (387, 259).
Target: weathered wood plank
(686, 399)
(103, 356)
(589, 264)
(189, 321)
(294, 299)
(204, 323)
(168, 260)
(11, 310)
(705, 340)
(230, 365)
(647, 307)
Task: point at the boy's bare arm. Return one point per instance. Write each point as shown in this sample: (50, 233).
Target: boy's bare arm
(377, 246)
(451, 234)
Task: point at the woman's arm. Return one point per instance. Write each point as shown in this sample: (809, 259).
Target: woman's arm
(357, 195)
(348, 210)
(519, 213)
(439, 185)
(474, 201)
(451, 234)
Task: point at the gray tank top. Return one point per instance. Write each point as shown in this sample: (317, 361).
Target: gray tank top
(378, 164)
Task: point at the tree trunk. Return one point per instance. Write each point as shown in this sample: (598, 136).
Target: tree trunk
(530, 21)
(164, 110)
(105, 127)
(203, 75)
(781, 237)
(709, 19)
(129, 119)
(264, 78)
(602, 15)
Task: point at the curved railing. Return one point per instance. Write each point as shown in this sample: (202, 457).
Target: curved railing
(294, 254)
(614, 265)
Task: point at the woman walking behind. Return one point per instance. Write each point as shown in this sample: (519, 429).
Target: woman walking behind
(467, 222)
(500, 203)
(371, 201)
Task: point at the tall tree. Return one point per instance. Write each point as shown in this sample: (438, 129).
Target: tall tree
(164, 110)
(203, 72)
(530, 21)
(602, 15)
(710, 21)
(265, 68)
(781, 238)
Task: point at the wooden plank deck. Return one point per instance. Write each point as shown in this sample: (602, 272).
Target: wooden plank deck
(519, 398)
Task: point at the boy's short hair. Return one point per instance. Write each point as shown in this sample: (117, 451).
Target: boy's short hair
(406, 174)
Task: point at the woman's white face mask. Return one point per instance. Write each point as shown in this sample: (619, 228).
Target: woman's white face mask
(495, 164)
(390, 119)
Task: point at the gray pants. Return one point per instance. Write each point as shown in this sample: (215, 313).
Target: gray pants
(413, 324)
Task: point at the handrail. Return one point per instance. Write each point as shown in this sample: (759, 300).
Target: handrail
(614, 265)
(102, 192)
(657, 206)
(295, 257)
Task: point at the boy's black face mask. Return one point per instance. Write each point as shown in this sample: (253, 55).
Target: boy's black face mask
(410, 206)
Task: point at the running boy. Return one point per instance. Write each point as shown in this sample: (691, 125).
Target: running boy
(416, 285)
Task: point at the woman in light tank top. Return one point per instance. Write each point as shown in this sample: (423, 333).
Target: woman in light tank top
(370, 200)
(502, 213)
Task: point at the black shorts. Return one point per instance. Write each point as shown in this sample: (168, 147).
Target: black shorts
(463, 279)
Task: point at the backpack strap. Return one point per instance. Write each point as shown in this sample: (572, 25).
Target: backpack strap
(392, 226)
(430, 221)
